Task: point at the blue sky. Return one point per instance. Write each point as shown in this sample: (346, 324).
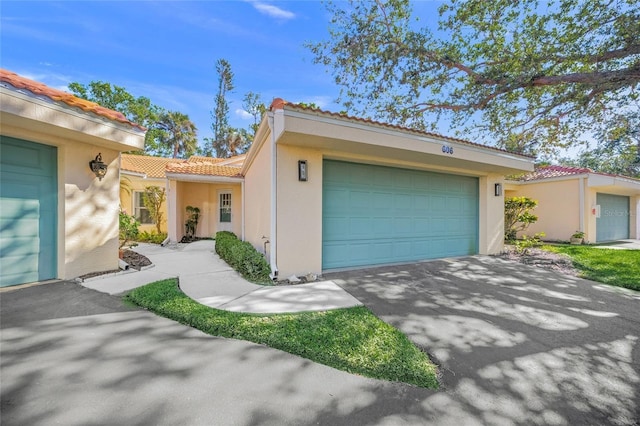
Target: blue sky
(167, 50)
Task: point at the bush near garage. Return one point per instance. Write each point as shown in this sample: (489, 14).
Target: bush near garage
(243, 257)
(151, 237)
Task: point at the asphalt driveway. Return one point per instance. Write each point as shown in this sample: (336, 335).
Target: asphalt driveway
(516, 344)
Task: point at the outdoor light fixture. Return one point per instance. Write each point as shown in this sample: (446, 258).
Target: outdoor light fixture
(302, 170)
(497, 189)
(98, 167)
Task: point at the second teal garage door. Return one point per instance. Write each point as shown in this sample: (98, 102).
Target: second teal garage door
(375, 215)
(613, 223)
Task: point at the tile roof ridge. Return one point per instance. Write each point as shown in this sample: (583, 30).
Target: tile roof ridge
(40, 89)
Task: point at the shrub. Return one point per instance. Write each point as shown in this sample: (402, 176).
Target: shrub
(518, 216)
(242, 257)
(152, 237)
(526, 243)
(128, 228)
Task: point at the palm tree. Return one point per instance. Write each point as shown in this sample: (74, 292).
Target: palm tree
(179, 134)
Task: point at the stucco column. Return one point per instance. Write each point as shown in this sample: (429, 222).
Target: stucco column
(172, 210)
(490, 215)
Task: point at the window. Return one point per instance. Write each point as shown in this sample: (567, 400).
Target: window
(139, 210)
(225, 207)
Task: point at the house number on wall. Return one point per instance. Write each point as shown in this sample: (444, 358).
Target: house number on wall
(447, 149)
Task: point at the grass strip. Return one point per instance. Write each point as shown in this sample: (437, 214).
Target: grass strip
(615, 267)
(352, 339)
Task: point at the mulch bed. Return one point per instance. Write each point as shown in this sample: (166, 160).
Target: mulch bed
(135, 261)
(541, 259)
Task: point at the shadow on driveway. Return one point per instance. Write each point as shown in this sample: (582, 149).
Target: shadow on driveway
(515, 344)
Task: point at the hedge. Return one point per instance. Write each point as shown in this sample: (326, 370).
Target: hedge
(243, 257)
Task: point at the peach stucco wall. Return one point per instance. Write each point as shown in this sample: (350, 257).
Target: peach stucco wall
(299, 211)
(257, 198)
(558, 208)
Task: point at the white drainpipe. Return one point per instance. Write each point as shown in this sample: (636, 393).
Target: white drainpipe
(274, 210)
(582, 196)
(242, 209)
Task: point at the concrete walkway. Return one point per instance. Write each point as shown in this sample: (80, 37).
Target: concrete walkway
(621, 245)
(207, 279)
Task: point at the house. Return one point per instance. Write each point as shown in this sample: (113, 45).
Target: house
(320, 191)
(136, 173)
(59, 182)
(605, 207)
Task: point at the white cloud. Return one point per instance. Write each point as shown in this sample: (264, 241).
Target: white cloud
(273, 11)
(243, 114)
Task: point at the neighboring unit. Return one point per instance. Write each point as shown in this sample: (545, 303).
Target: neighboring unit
(605, 207)
(58, 214)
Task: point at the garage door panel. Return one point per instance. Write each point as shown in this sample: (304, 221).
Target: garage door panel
(360, 226)
(613, 223)
(425, 215)
(28, 211)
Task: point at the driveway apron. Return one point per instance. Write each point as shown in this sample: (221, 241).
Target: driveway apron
(515, 344)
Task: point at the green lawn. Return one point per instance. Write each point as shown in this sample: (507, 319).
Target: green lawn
(352, 340)
(615, 267)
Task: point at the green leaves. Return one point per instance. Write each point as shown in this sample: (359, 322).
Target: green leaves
(518, 216)
(533, 76)
(168, 132)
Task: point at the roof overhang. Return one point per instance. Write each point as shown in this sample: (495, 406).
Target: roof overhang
(602, 183)
(47, 120)
(183, 177)
(614, 184)
(320, 131)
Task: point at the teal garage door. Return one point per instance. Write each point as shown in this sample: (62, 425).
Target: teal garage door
(28, 211)
(376, 215)
(613, 223)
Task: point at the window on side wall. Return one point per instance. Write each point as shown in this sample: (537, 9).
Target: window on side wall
(140, 211)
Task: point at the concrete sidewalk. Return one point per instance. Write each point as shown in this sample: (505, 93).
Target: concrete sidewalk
(207, 279)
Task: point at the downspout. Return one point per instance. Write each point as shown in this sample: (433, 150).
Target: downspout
(274, 210)
(581, 198)
(242, 208)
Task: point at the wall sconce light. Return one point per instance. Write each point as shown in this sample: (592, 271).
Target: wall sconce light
(98, 167)
(302, 170)
(497, 189)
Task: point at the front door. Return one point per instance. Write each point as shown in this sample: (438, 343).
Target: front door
(224, 211)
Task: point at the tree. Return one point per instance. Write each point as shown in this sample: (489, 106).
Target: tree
(252, 103)
(220, 114)
(518, 216)
(179, 134)
(153, 198)
(139, 110)
(617, 150)
(533, 75)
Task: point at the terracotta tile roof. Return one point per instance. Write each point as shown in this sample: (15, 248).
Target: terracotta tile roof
(201, 159)
(555, 171)
(39, 89)
(203, 168)
(279, 103)
(548, 172)
(153, 167)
